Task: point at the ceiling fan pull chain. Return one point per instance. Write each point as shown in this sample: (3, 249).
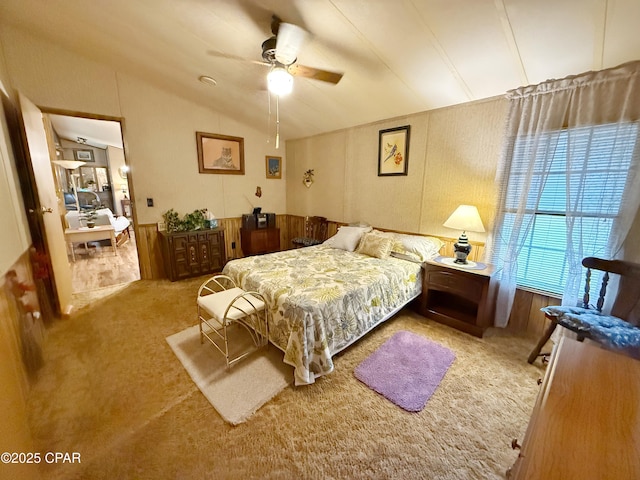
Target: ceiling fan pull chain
(269, 117)
(277, 122)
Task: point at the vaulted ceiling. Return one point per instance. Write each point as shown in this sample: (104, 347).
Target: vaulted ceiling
(398, 56)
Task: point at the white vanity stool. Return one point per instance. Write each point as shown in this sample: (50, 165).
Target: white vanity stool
(222, 306)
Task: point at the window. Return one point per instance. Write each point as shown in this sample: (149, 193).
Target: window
(578, 176)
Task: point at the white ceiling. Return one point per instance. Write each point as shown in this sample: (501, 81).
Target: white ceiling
(398, 56)
(97, 133)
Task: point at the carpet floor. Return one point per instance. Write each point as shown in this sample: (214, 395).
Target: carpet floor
(112, 390)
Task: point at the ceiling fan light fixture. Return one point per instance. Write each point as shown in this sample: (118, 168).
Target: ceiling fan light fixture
(289, 41)
(279, 81)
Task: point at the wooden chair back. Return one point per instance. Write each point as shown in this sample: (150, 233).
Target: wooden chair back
(316, 228)
(626, 305)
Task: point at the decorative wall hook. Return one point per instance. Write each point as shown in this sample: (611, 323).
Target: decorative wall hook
(307, 178)
(258, 192)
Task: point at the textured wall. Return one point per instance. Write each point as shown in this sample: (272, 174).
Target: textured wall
(159, 130)
(453, 156)
(463, 150)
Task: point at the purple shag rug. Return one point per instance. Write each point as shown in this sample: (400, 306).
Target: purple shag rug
(406, 369)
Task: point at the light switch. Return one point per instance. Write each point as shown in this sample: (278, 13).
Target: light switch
(149, 202)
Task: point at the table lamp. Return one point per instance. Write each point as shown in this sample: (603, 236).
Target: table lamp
(465, 218)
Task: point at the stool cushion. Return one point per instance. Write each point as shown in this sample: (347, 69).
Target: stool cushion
(216, 304)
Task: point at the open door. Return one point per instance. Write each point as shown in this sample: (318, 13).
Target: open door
(45, 213)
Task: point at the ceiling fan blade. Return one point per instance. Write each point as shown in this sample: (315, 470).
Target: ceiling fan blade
(314, 73)
(215, 53)
(288, 42)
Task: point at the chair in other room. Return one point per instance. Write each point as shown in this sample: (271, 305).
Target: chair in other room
(618, 331)
(88, 199)
(315, 232)
(234, 321)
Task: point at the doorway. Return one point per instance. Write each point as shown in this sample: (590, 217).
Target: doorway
(99, 184)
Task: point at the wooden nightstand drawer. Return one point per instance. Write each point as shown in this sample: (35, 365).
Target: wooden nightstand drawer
(469, 288)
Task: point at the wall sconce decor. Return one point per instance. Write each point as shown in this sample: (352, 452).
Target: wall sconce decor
(307, 178)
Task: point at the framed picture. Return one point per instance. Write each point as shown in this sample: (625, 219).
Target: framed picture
(393, 151)
(273, 167)
(220, 154)
(83, 155)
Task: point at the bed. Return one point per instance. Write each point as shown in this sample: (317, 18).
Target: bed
(323, 298)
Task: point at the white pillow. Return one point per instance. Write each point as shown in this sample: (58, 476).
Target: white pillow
(347, 238)
(416, 247)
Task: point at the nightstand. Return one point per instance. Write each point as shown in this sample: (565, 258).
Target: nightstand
(259, 241)
(462, 298)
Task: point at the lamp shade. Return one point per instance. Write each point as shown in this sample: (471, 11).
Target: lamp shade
(69, 164)
(466, 218)
(279, 81)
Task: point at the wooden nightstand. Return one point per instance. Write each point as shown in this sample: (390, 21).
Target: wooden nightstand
(259, 241)
(459, 297)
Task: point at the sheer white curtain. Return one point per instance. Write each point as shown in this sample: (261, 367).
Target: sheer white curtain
(539, 115)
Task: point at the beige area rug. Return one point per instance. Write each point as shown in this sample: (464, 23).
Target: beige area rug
(239, 392)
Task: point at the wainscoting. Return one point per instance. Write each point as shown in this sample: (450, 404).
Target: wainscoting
(526, 317)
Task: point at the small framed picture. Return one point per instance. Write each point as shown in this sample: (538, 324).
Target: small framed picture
(273, 166)
(393, 151)
(220, 154)
(83, 155)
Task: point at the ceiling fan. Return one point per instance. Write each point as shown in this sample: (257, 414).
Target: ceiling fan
(279, 52)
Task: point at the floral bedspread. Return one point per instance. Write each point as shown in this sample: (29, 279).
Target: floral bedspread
(322, 299)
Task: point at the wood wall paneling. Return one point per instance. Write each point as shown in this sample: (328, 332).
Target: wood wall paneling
(19, 334)
(149, 252)
(526, 316)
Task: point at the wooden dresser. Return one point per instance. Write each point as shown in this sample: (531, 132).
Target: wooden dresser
(586, 420)
(259, 240)
(189, 254)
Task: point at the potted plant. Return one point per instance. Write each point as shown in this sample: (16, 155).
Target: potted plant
(196, 220)
(90, 217)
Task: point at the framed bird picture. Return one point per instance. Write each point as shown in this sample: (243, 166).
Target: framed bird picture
(393, 151)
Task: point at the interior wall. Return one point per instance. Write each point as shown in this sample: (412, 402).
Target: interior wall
(160, 131)
(453, 158)
(15, 435)
(324, 154)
